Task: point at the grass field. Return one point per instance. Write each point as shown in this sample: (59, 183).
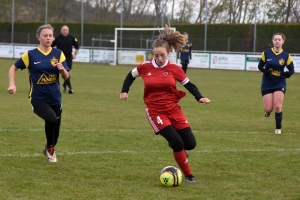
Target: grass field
(107, 149)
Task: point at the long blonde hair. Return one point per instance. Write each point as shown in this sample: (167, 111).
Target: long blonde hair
(170, 40)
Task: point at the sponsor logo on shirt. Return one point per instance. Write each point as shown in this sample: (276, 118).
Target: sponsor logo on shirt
(44, 79)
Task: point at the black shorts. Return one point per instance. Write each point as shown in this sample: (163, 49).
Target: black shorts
(272, 91)
(69, 61)
(184, 61)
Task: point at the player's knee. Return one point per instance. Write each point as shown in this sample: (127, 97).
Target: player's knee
(278, 108)
(176, 145)
(190, 145)
(51, 120)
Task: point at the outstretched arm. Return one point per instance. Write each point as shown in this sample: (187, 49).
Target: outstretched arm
(196, 93)
(126, 85)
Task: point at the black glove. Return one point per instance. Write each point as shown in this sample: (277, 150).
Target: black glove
(286, 74)
(267, 73)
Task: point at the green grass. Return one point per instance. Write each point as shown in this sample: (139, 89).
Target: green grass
(107, 149)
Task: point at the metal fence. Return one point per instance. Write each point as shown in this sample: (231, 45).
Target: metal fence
(144, 41)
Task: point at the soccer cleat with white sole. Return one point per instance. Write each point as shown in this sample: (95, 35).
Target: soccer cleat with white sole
(278, 131)
(267, 114)
(50, 154)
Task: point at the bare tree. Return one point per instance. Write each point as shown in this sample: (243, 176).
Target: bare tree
(5, 9)
(200, 12)
(145, 11)
(217, 11)
(288, 10)
(296, 11)
(172, 10)
(138, 10)
(185, 10)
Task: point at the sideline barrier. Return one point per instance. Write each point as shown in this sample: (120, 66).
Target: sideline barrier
(226, 61)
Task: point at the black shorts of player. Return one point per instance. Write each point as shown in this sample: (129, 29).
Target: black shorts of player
(184, 61)
(272, 91)
(69, 61)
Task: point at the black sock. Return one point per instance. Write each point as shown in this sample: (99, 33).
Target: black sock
(50, 131)
(278, 119)
(68, 82)
(65, 84)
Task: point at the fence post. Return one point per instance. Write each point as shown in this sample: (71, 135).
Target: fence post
(228, 44)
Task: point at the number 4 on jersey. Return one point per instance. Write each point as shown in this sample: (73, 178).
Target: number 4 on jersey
(159, 121)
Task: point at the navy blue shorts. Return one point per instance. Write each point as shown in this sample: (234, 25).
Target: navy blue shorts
(273, 90)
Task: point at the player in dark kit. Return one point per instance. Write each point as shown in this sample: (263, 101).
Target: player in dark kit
(272, 63)
(185, 54)
(161, 97)
(44, 65)
(65, 42)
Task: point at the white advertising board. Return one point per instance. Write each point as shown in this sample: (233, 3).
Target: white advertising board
(20, 50)
(199, 60)
(227, 61)
(131, 57)
(296, 61)
(6, 51)
(102, 56)
(252, 62)
(82, 56)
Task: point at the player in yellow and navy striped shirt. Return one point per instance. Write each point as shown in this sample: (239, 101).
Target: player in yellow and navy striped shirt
(272, 64)
(185, 54)
(44, 65)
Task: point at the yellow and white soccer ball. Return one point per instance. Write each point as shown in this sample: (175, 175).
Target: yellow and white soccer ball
(170, 176)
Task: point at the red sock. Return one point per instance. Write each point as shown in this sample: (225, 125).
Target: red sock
(183, 163)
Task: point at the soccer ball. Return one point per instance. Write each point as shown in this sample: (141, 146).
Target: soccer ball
(170, 176)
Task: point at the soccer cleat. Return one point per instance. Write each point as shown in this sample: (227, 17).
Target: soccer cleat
(64, 90)
(50, 154)
(278, 131)
(190, 179)
(71, 92)
(267, 114)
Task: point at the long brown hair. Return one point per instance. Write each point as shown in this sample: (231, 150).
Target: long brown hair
(169, 39)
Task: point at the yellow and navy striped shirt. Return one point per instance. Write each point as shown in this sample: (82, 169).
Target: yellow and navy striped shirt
(43, 75)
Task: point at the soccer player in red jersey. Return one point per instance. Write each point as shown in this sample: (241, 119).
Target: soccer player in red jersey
(161, 97)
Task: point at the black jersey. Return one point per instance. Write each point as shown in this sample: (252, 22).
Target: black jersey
(65, 43)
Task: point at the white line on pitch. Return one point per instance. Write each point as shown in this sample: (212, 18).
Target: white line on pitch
(140, 130)
(145, 152)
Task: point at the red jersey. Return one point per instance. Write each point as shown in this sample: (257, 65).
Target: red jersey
(160, 90)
